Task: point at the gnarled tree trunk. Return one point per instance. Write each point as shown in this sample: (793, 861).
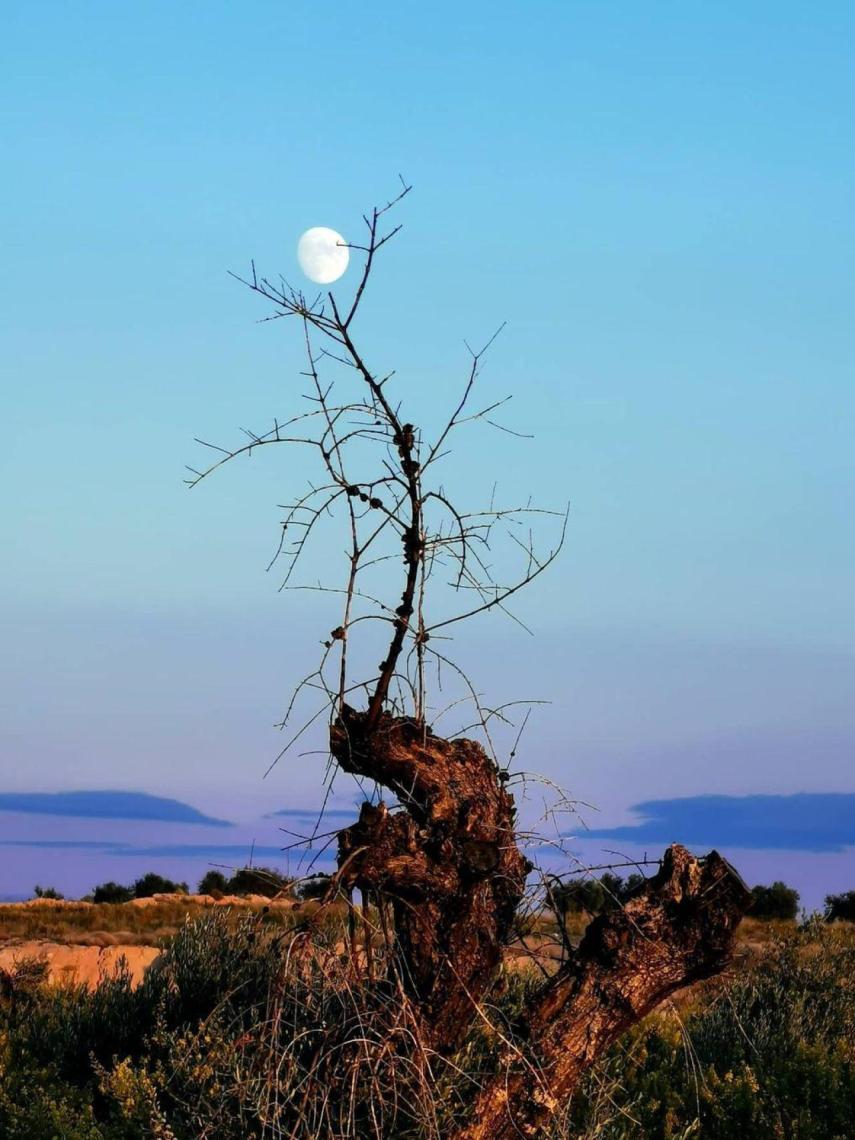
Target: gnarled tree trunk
(448, 862)
(449, 865)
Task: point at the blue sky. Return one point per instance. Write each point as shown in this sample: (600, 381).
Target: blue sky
(659, 200)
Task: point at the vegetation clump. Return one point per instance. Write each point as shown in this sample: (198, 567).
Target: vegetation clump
(213, 882)
(594, 895)
(153, 884)
(316, 886)
(111, 892)
(49, 893)
(258, 881)
(245, 881)
(222, 1039)
(777, 901)
(840, 907)
(145, 887)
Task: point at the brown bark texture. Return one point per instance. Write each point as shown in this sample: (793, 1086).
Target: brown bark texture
(447, 862)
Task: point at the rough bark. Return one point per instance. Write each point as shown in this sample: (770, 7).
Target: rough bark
(448, 863)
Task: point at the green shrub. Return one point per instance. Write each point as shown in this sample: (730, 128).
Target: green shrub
(239, 1032)
(575, 896)
(775, 902)
(154, 884)
(840, 907)
(35, 1105)
(258, 881)
(112, 893)
(46, 893)
(149, 884)
(594, 896)
(314, 887)
(213, 881)
(71, 1025)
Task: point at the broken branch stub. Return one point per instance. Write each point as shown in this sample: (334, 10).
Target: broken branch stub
(677, 931)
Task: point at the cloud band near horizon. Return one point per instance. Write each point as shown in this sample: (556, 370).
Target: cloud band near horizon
(802, 822)
(106, 804)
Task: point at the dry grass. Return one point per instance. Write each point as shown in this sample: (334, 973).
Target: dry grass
(123, 924)
(109, 924)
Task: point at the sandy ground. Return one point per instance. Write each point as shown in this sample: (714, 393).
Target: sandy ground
(84, 957)
(79, 964)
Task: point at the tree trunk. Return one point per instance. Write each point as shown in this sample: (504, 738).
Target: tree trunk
(449, 865)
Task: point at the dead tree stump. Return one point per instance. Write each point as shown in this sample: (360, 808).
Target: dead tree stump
(447, 862)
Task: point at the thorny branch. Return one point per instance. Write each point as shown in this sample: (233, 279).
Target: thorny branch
(375, 466)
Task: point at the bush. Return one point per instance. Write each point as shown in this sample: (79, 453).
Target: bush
(237, 1032)
(259, 881)
(778, 901)
(840, 907)
(314, 887)
(73, 1028)
(111, 892)
(576, 896)
(46, 893)
(37, 1106)
(213, 881)
(595, 896)
(150, 884)
(154, 884)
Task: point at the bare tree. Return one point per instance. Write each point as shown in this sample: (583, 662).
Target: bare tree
(443, 860)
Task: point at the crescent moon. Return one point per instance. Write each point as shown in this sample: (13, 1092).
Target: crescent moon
(323, 255)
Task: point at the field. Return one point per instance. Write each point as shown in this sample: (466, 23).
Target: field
(129, 924)
(222, 1038)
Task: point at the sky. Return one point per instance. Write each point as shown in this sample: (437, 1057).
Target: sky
(657, 198)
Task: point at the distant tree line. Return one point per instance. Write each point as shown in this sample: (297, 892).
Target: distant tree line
(781, 901)
(594, 896)
(599, 896)
(245, 881)
(589, 896)
(150, 884)
(46, 893)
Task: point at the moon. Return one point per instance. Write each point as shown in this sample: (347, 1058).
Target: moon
(322, 254)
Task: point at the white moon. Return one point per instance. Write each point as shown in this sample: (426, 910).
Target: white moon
(322, 254)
